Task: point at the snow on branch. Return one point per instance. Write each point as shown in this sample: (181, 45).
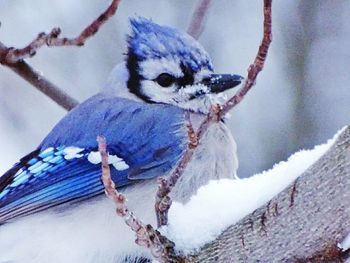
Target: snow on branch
(303, 223)
(237, 198)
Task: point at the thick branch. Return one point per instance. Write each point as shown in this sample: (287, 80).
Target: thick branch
(303, 223)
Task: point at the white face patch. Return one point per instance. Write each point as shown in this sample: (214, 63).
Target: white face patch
(191, 97)
(200, 104)
(187, 92)
(118, 163)
(152, 68)
(194, 97)
(158, 93)
(203, 100)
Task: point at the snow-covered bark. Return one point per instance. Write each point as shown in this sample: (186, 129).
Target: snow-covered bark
(305, 221)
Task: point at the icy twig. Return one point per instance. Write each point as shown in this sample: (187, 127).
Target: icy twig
(196, 25)
(161, 248)
(216, 114)
(13, 57)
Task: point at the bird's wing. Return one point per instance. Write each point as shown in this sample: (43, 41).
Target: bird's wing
(51, 177)
(143, 142)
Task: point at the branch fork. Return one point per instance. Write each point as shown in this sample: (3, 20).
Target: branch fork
(161, 248)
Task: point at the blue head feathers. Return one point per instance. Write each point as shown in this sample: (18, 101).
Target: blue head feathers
(152, 41)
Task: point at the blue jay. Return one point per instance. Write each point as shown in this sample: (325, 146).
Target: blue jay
(51, 203)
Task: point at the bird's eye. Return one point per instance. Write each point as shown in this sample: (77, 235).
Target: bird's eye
(165, 79)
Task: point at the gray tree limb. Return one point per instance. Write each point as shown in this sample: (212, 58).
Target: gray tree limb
(303, 223)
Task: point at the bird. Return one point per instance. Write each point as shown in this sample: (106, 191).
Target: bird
(52, 206)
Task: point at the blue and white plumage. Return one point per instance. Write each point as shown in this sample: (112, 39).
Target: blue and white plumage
(51, 208)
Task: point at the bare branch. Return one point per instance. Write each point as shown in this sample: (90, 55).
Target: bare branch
(196, 25)
(52, 39)
(216, 114)
(13, 58)
(161, 248)
(259, 61)
(29, 74)
(163, 200)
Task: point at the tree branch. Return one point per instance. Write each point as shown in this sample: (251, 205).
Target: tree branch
(52, 39)
(196, 25)
(313, 216)
(29, 74)
(216, 114)
(259, 61)
(161, 248)
(13, 58)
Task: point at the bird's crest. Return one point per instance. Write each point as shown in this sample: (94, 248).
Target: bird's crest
(149, 40)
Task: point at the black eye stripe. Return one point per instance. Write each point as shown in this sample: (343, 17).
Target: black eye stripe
(188, 78)
(185, 80)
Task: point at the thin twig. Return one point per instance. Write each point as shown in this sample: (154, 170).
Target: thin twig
(161, 248)
(13, 58)
(165, 185)
(196, 25)
(215, 115)
(259, 61)
(52, 39)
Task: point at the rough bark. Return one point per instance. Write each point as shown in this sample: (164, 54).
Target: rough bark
(303, 223)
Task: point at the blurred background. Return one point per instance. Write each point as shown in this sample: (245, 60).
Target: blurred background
(301, 98)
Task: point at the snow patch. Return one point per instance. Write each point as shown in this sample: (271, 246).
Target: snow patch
(222, 202)
(345, 244)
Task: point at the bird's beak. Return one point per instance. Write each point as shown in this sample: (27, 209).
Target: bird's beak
(220, 82)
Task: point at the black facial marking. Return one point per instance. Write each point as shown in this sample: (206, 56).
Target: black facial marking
(134, 81)
(188, 78)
